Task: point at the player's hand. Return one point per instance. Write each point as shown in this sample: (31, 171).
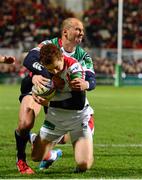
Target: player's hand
(40, 100)
(39, 80)
(79, 84)
(58, 82)
(8, 59)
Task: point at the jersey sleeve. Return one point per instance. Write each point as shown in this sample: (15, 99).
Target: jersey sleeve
(90, 77)
(76, 71)
(88, 66)
(88, 63)
(32, 62)
(89, 71)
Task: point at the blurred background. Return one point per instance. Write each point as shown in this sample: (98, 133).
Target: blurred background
(24, 24)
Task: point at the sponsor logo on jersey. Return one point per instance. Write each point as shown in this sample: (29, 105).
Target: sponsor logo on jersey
(75, 67)
(86, 56)
(37, 66)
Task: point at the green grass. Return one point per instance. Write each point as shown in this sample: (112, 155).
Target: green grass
(118, 132)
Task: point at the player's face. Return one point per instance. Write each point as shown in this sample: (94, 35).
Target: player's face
(75, 33)
(56, 67)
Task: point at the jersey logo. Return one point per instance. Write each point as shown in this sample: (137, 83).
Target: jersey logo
(86, 56)
(75, 68)
(37, 66)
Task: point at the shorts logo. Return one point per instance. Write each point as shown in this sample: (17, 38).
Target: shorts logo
(84, 126)
(48, 125)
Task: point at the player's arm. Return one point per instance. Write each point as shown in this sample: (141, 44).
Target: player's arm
(89, 71)
(32, 63)
(77, 101)
(89, 82)
(39, 80)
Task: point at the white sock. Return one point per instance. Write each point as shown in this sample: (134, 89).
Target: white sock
(53, 155)
(32, 137)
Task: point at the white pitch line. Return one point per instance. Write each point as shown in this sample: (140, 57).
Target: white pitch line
(118, 145)
(110, 145)
(8, 108)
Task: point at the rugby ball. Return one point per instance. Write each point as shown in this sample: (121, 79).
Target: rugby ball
(47, 91)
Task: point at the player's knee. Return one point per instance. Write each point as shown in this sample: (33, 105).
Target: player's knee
(36, 155)
(25, 125)
(36, 158)
(85, 164)
(27, 119)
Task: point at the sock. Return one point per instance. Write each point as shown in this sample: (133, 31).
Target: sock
(52, 155)
(21, 145)
(32, 137)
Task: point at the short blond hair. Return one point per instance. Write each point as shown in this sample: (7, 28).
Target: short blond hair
(67, 23)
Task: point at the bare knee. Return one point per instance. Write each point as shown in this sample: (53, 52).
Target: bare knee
(83, 149)
(36, 157)
(26, 119)
(85, 164)
(29, 109)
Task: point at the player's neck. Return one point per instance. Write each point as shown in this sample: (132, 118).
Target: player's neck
(68, 46)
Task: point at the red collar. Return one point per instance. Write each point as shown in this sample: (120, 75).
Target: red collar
(60, 42)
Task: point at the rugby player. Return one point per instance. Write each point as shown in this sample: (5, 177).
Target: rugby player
(68, 111)
(71, 36)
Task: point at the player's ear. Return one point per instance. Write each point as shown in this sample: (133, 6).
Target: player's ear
(64, 32)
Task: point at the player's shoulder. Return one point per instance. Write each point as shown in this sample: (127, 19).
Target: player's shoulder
(81, 53)
(72, 65)
(45, 42)
(80, 49)
(48, 41)
(70, 60)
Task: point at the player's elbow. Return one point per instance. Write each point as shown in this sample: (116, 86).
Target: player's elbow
(92, 84)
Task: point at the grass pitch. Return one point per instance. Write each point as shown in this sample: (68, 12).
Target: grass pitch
(117, 139)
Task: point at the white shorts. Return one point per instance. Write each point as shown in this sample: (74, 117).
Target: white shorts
(60, 121)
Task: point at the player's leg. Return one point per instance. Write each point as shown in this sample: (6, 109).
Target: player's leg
(83, 151)
(42, 151)
(82, 140)
(40, 148)
(65, 139)
(44, 143)
(29, 109)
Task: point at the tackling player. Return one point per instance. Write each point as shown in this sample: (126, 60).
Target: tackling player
(71, 36)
